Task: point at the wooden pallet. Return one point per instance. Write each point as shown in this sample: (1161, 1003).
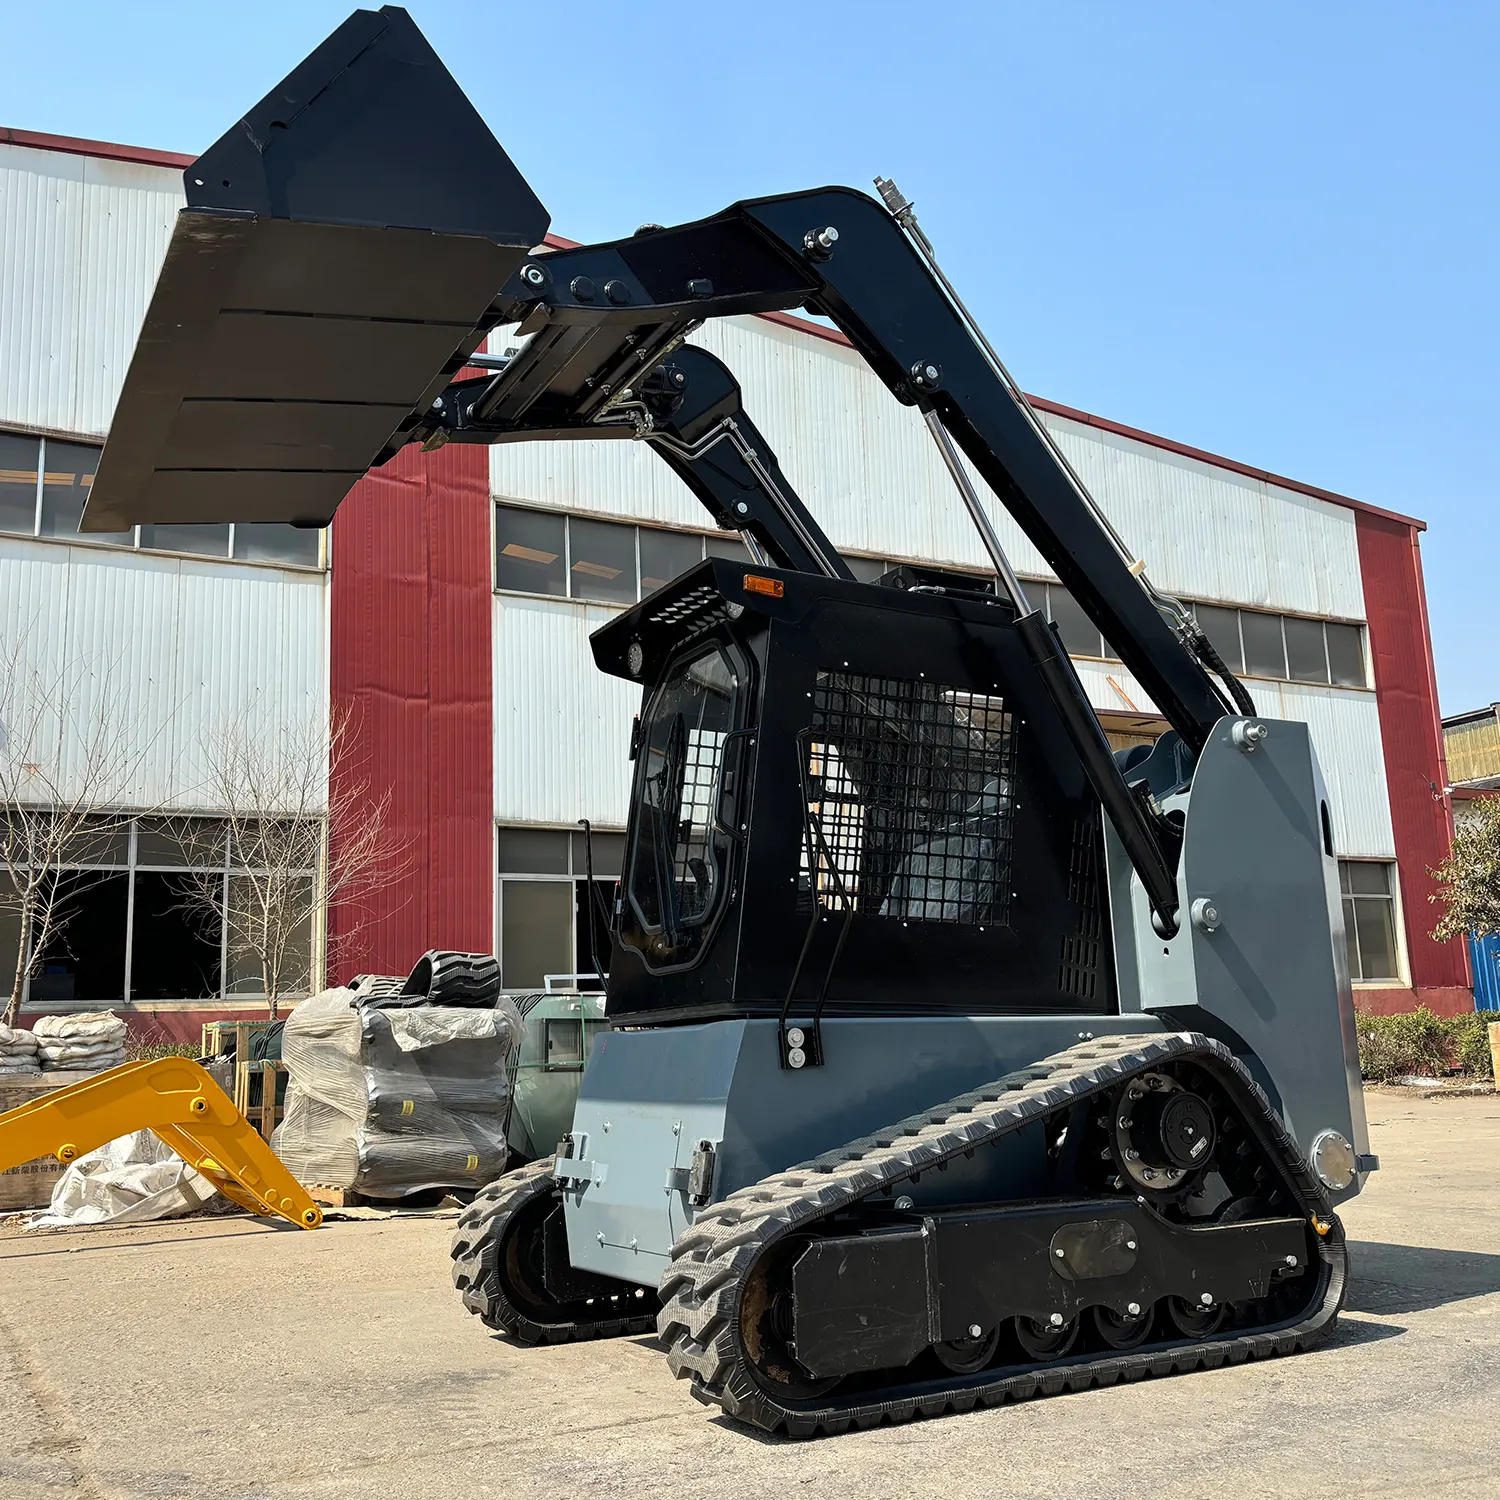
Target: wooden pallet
(266, 1115)
(337, 1197)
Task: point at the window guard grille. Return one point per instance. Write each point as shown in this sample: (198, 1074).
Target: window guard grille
(910, 801)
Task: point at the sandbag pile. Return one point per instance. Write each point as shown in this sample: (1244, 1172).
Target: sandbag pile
(88, 1042)
(393, 1099)
(18, 1051)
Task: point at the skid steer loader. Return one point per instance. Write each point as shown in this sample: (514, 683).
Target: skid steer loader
(953, 1057)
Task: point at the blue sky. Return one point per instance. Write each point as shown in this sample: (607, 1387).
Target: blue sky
(1270, 231)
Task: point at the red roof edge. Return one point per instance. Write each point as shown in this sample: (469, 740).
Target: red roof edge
(80, 147)
(77, 146)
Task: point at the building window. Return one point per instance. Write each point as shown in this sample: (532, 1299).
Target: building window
(551, 922)
(266, 541)
(600, 562)
(609, 562)
(20, 474)
(137, 920)
(1369, 919)
(1289, 648)
(1080, 636)
(207, 540)
(531, 551)
(44, 483)
(665, 555)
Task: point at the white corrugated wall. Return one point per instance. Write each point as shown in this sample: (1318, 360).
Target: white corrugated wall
(170, 651)
(870, 474)
(562, 728)
(868, 471)
(81, 241)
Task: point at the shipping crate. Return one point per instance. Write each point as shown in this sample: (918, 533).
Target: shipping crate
(30, 1184)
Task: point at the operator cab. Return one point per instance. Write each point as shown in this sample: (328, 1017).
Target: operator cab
(847, 798)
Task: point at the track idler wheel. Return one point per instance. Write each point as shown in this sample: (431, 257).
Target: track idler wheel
(967, 1356)
(1125, 1330)
(1040, 1339)
(1195, 1320)
(767, 1324)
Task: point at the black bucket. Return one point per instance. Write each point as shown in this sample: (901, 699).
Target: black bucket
(333, 269)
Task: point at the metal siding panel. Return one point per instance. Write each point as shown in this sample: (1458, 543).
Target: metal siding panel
(562, 727)
(1411, 736)
(1212, 534)
(409, 626)
(81, 242)
(127, 216)
(1346, 734)
(1484, 959)
(869, 472)
(170, 648)
(41, 200)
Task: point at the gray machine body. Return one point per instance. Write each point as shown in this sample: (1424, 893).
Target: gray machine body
(1265, 972)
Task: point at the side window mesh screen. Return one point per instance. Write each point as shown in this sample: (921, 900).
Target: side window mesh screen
(675, 875)
(909, 800)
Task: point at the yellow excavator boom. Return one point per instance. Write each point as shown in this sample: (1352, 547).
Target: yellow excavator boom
(180, 1103)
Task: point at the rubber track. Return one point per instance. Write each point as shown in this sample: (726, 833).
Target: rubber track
(701, 1287)
(476, 1271)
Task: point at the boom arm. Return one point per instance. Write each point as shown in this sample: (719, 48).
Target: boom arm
(688, 407)
(602, 315)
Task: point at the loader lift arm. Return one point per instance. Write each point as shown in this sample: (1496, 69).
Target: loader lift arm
(177, 1100)
(605, 327)
(601, 316)
(688, 407)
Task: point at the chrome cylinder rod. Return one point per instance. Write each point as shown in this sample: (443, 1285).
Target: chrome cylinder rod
(977, 513)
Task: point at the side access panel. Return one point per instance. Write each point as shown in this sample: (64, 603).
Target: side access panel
(334, 267)
(1268, 974)
(650, 1096)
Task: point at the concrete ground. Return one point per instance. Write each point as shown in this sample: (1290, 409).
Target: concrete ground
(227, 1358)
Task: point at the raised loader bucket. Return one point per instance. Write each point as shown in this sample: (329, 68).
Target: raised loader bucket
(333, 268)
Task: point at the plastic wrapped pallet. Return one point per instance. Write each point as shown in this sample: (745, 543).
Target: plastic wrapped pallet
(390, 1102)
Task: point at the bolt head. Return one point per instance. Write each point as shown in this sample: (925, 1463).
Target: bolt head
(534, 274)
(1130, 1244)
(1133, 1308)
(1207, 1299)
(795, 1036)
(1291, 1260)
(930, 372)
(1056, 1320)
(743, 509)
(1058, 1254)
(796, 1058)
(975, 1330)
(903, 1202)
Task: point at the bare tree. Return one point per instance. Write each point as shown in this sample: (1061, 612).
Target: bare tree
(69, 758)
(303, 831)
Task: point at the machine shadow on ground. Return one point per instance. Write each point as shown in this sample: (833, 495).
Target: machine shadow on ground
(1413, 1278)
